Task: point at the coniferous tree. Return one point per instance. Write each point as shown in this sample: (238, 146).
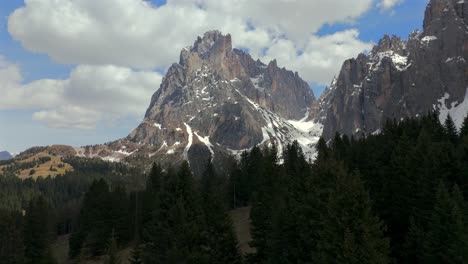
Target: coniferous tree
(351, 232)
(220, 238)
(447, 240)
(175, 236)
(119, 216)
(451, 129)
(464, 127)
(36, 232)
(95, 208)
(152, 193)
(186, 218)
(102, 212)
(11, 246)
(413, 248)
(463, 157)
(264, 204)
(396, 191)
(234, 198)
(112, 250)
(240, 182)
(295, 219)
(156, 231)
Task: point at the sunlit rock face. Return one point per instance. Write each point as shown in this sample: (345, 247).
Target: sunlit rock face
(216, 102)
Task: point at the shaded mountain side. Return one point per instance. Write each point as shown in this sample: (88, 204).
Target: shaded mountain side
(402, 78)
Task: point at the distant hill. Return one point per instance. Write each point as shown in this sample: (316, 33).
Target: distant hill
(38, 162)
(5, 155)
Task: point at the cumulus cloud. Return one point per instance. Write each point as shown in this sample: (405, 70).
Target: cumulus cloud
(91, 94)
(320, 55)
(133, 33)
(116, 44)
(69, 117)
(385, 5)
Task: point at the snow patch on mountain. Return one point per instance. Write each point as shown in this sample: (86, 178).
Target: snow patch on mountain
(190, 140)
(400, 62)
(256, 81)
(428, 39)
(111, 159)
(126, 153)
(282, 132)
(458, 111)
(163, 145)
(206, 141)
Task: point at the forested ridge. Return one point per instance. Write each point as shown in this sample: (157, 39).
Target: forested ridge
(396, 197)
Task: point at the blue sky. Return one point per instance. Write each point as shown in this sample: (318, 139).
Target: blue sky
(19, 130)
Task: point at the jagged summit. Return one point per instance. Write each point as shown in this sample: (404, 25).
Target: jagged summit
(218, 101)
(211, 40)
(388, 43)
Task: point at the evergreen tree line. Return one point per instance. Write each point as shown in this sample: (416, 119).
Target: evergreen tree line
(13, 165)
(26, 236)
(176, 219)
(396, 197)
(34, 212)
(15, 193)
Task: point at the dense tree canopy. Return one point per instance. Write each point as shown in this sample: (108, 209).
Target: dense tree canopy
(396, 197)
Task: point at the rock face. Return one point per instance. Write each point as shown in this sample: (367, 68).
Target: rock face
(400, 78)
(215, 102)
(218, 101)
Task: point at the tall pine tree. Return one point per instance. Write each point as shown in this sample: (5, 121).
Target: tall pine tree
(222, 245)
(36, 232)
(112, 250)
(464, 127)
(451, 129)
(447, 240)
(351, 232)
(11, 234)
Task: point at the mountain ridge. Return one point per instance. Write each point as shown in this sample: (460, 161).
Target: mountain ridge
(217, 101)
(402, 78)
(214, 103)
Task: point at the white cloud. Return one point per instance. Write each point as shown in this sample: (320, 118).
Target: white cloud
(320, 54)
(90, 95)
(385, 5)
(69, 117)
(132, 33)
(117, 43)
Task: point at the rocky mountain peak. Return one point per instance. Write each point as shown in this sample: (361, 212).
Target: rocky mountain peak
(388, 43)
(213, 50)
(218, 101)
(211, 40)
(212, 43)
(401, 79)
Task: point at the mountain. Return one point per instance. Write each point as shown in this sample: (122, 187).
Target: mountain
(218, 101)
(5, 155)
(402, 78)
